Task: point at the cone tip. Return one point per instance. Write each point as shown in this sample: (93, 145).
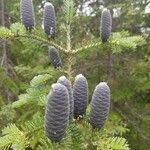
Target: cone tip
(103, 84)
(55, 84)
(105, 9)
(48, 4)
(79, 76)
(62, 78)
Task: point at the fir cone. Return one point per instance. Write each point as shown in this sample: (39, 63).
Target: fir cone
(106, 25)
(64, 81)
(27, 14)
(49, 20)
(80, 95)
(100, 105)
(57, 112)
(54, 57)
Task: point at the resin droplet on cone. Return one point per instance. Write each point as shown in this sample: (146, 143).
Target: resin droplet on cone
(80, 95)
(57, 112)
(100, 105)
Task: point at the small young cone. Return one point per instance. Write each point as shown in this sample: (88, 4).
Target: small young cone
(100, 105)
(57, 113)
(106, 25)
(27, 14)
(54, 57)
(64, 81)
(80, 95)
(49, 20)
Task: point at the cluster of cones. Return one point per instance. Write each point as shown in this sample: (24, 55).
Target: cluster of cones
(66, 104)
(49, 24)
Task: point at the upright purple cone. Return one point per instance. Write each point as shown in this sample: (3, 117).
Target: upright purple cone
(106, 25)
(49, 20)
(100, 105)
(64, 81)
(27, 14)
(80, 95)
(57, 112)
(54, 57)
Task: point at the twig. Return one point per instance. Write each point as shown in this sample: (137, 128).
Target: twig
(38, 38)
(86, 47)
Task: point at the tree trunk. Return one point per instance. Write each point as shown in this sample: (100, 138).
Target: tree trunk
(4, 62)
(4, 50)
(110, 62)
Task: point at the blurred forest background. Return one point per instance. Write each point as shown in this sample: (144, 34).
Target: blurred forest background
(127, 71)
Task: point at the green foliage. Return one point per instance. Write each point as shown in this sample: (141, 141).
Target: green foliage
(69, 10)
(115, 126)
(32, 130)
(76, 137)
(40, 80)
(140, 74)
(17, 28)
(123, 42)
(114, 143)
(5, 33)
(12, 137)
(7, 115)
(36, 93)
(7, 83)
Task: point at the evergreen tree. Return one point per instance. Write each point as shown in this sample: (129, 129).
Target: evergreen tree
(29, 127)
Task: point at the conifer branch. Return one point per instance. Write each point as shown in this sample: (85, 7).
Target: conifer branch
(18, 32)
(45, 41)
(92, 45)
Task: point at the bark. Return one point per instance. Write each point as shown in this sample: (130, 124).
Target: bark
(110, 62)
(4, 49)
(110, 73)
(4, 60)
